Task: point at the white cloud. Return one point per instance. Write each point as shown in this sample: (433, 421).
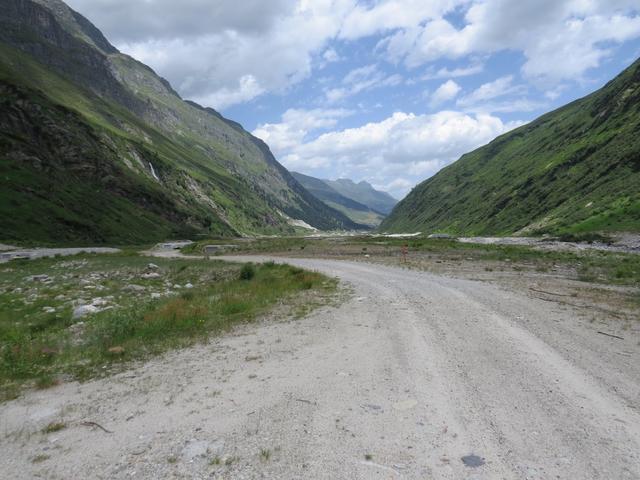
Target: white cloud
(445, 92)
(365, 20)
(454, 72)
(359, 80)
(205, 47)
(296, 125)
(403, 146)
(498, 88)
(559, 39)
(247, 89)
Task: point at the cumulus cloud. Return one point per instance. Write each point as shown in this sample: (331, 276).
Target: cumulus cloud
(367, 19)
(296, 125)
(227, 52)
(560, 39)
(445, 92)
(396, 152)
(222, 52)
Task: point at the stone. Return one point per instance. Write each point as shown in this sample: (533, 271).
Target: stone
(48, 309)
(195, 449)
(152, 266)
(133, 288)
(84, 310)
(150, 275)
(188, 285)
(405, 404)
(38, 278)
(116, 350)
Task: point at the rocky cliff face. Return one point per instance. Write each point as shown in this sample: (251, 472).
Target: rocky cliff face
(216, 175)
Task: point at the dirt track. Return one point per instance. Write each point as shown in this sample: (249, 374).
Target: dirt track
(411, 374)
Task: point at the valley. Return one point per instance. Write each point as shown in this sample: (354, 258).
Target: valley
(212, 277)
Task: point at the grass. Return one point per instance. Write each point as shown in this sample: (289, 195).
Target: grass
(40, 342)
(54, 427)
(265, 454)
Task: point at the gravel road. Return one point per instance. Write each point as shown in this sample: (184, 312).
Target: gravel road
(415, 376)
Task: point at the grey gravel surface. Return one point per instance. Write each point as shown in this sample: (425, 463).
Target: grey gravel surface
(414, 376)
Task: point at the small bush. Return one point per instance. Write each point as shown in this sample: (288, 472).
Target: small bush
(54, 427)
(188, 295)
(248, 271)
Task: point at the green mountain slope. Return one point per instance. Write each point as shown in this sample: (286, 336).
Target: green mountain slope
(94, 146)
(574, 170)
(356, 211)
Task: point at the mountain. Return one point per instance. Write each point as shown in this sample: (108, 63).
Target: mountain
(574, 170)
(364, 193)
(95, 147)
(356, 211)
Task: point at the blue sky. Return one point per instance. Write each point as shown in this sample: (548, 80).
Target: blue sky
(387, 91)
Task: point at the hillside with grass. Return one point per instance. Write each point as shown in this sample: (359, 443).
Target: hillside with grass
(356, 211)
(96, 148)
(573, 171)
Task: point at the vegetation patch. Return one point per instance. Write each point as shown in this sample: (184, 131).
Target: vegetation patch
(137, 307)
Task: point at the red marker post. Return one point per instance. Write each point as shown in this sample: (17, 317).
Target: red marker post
(405, 250)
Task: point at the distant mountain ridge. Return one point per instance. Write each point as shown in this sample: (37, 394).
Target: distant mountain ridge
(96, 147)
(364, 193)
(574, 170)
(345, 195)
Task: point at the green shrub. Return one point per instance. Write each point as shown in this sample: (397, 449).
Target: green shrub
(248, 271)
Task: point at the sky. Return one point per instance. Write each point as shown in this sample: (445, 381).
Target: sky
(387, 91)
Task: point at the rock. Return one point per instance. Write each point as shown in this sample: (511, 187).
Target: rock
(48, 309)
(99, 302)
(133, 288)
(473, 461)
(188, 285)
(152, 266)
(84, 310)
(150, 275)
(200, 448)
(405, 404)
(155, 295)
(116, 350)
(177, 286)
(194, 449)
(38, 278)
